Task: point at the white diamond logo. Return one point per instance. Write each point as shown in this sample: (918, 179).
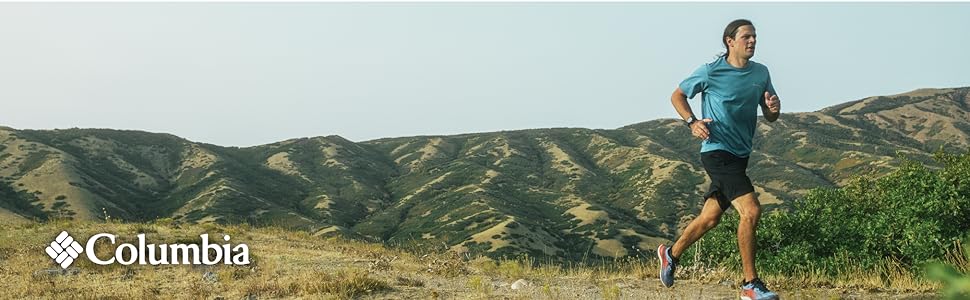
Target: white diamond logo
(64, 249)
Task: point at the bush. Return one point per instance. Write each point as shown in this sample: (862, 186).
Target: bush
(910, 215)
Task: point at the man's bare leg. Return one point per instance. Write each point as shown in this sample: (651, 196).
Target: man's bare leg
(709, 217)
(749, 211)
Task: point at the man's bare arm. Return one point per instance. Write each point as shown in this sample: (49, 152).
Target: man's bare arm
(679, 100)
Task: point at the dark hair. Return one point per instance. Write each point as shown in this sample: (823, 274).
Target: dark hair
(730, 31)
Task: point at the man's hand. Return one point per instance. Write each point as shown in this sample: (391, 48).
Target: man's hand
(774, 105)
(699, 128)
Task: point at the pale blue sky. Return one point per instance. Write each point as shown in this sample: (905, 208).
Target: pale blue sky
(243, 74)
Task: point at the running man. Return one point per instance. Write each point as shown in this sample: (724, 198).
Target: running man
(732, 87)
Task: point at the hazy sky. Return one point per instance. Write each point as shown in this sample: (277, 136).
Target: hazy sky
(243, 74)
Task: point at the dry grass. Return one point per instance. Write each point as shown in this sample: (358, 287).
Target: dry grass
(284, 264)
(480, 285)
(610, 290)
(959, 257)
(294, 264)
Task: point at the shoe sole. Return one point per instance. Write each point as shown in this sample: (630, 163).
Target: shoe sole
(660, 275)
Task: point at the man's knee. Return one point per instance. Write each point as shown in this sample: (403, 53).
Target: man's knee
(711, 214)
(710, 222)
(752, 213)
(748, 207)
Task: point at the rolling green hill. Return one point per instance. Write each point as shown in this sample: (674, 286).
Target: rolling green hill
(563, 192)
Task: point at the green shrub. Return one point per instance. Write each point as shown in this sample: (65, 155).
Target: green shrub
(910, 215)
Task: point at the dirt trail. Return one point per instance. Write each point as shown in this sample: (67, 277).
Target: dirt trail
(584, 288)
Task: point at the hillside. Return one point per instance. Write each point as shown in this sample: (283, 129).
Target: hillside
(567, 193)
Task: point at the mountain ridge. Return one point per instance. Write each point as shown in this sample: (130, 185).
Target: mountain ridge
(557, 192)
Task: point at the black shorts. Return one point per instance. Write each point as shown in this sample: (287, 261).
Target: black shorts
(729, 178)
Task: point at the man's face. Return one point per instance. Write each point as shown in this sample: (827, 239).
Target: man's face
(743, 41)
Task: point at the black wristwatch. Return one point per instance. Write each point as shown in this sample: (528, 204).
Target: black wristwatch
(690, 120)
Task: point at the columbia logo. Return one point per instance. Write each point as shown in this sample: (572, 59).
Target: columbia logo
(64, 249)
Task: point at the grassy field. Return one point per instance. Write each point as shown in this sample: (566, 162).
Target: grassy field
(294, 264)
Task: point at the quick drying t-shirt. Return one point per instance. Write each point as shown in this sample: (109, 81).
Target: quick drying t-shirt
(730, 97)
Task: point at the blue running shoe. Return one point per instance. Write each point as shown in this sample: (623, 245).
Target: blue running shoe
(756, 290)
(668, 264)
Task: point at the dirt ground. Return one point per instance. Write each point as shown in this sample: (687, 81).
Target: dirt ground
(582, 288)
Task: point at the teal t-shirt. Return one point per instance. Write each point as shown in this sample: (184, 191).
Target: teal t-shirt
(730, 97)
